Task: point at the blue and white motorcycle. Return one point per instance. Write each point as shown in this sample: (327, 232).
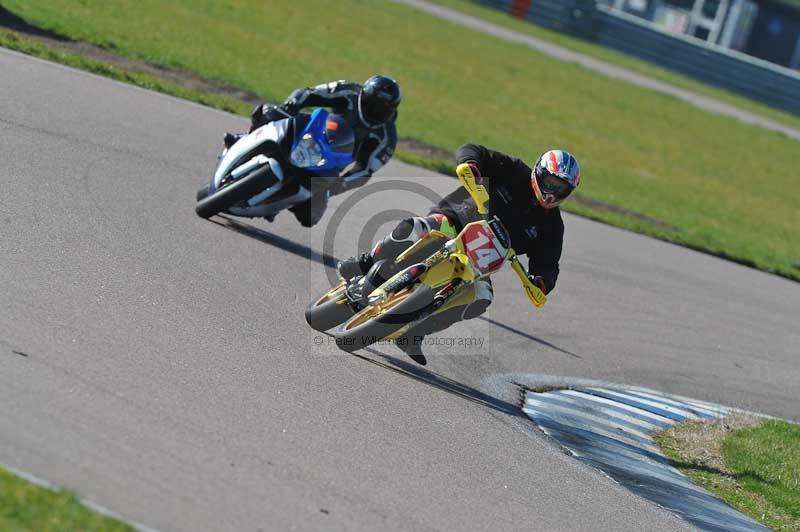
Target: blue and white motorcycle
(278, 166)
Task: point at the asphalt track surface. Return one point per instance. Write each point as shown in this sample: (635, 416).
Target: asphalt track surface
(560, 53)
(159, 364)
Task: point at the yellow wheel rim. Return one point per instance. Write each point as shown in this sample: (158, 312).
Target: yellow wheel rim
(333, 293)
(378, 310)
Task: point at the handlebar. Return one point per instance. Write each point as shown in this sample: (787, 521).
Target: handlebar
(535, 294)
(476, 190)
(481, 197)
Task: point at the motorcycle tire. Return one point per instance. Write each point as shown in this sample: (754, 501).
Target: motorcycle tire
(202, 192)
(371, 324)
(240, 190)
(330, 310)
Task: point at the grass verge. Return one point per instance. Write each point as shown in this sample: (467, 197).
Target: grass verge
(25, 507)
(751, 464)
(15, 41)
(602, 53)
(414, 153)
(652, 163)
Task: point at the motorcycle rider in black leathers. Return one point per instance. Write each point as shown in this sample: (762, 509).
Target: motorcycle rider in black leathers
(526, 201)
(371, 112)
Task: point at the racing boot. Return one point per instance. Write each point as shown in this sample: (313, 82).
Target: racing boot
(361, 286)
(311, 211)
(411, 342)
(230, 139)
(354, 266)
(412, 348)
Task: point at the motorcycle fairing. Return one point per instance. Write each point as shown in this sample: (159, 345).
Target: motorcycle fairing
(332, 160)
(233, 156)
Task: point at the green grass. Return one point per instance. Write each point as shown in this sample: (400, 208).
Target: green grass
(617, 58)
(25, 507)
(756, 470)
(14, 41)
(698, 179)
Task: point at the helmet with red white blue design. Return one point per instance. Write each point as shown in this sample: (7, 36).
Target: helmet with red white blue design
(555, 175)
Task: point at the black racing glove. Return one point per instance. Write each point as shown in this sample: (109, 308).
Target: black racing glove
(475, 171)
(257, 116)
(539, 282)
(292, 105)
(266, 113)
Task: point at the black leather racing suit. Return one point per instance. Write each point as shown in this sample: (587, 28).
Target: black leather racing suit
(535, 231)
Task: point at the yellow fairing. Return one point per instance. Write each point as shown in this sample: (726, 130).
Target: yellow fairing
(454, 266)
(421, 243)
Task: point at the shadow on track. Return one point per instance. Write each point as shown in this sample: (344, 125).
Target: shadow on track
(330, 261)
(301, 250)
(419, 373)
(529, 336)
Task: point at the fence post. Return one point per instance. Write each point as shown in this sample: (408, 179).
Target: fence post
(520, 8)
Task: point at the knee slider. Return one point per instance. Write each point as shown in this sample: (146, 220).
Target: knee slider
(403, 229)
(411, 229)
(475, 309)
(484, 294)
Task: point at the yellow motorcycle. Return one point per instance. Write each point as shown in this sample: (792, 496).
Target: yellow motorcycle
(445, 279)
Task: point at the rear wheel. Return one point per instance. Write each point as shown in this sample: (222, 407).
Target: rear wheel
(243, 189)
(329, 310)
(376, 322)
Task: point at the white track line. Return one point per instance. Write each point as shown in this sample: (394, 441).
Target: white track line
(656, 404)
(660, 419)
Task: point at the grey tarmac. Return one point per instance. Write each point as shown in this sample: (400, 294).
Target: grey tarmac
(169, 376)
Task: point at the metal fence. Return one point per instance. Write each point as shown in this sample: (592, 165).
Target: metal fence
(570, 16)
(757, 79)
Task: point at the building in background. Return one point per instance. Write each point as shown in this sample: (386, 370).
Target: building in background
(750, 47)
(767, 29)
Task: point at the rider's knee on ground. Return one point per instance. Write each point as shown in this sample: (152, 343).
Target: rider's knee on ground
(436, 323)
(475, 309)
(484, 294)
(439, 322)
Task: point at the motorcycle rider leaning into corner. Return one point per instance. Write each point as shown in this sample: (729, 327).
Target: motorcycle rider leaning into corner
(526, 201)
(371, 112)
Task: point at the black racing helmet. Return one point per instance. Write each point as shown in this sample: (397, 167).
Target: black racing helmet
(378, 100)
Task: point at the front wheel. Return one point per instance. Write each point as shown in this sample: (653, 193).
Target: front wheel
(202, 193)
(243, 189)
(376, 322)
(329, 310)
